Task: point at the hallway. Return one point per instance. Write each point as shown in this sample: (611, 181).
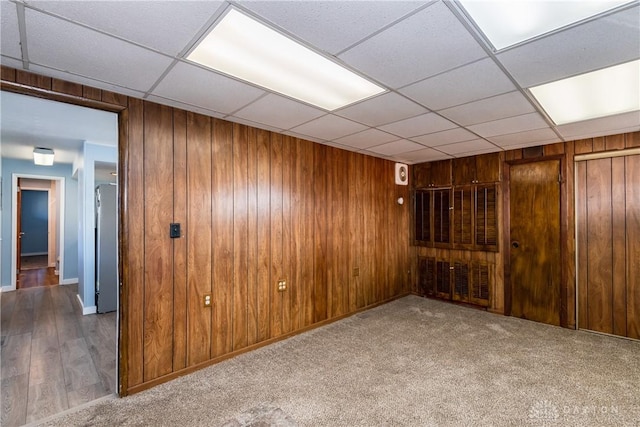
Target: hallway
(53, 357)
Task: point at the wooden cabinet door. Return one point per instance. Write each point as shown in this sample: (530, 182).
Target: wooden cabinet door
(486, 217)
(422, 217)
(463, 209)
(426, 276)
(442, 217)
(464, 170)
(441, 173)
(487, 168)
(421, 175)
(535, 257)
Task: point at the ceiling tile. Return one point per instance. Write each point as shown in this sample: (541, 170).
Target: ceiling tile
(630, 122)
(425, 44)
(396, 147)
(65, 46)
(329, 127)
(420, 156)
(9, 33)
(366, 139)
(183, 106)
(10, 62)
(212, 91)
(349, 21)
(489, 109)
(593, 45)
(532, 137)
(168, 26)
(419, 125)
(474, 146)
(469, 83)
(510, 125)
(382, 109)
(445, 137)
(278, 111)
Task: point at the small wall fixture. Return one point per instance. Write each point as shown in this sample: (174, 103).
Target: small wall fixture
(401, 200)
(43, 156)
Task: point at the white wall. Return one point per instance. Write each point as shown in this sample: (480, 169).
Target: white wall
(85, 168)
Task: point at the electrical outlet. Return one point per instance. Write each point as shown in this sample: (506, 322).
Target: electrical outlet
(282, 285)
(207, 300)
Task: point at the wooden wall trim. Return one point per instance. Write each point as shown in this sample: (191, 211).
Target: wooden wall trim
(606, 154)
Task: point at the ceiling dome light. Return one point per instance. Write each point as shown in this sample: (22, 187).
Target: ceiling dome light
(43, 156)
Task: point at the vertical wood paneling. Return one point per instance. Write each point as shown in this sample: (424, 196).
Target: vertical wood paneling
(222, 237)
(583, 146)
(240, 236)
(135, 230)
(569, 279)
(370, 267)
(320, 232)
(295, 253)
(583, 240)
(276, 226)
(158, 273)
(198, 237)
(618, 224)
(68, 88)
(632, 140)
(289, 294)
(356, 229)
(252, 236)
(91, 93)
(8, 74)
(263, 150)
(632, 178)
(614, 142)
(599, 251)
(307, 226)
(180, 245)
(598, 144)
(337, 190)
(34, 80)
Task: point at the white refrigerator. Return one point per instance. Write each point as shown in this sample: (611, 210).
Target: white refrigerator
(106, 248)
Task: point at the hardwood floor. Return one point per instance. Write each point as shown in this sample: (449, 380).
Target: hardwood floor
(53, 357)
(37, 277)
(34, 261)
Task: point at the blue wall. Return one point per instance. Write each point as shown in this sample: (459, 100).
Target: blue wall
(11, 166)
(34, 222)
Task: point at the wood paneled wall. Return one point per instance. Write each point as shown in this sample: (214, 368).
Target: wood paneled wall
(255, 207)
(566, 151)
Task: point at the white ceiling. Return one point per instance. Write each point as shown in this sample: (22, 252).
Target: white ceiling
(449, 94)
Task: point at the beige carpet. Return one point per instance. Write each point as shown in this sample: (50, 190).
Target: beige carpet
(412, 362)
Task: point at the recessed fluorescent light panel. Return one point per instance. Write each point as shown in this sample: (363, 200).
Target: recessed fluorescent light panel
(244, 48)
(508, 22)
(605, 92)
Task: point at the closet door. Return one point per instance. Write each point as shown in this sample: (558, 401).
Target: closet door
(608, 243)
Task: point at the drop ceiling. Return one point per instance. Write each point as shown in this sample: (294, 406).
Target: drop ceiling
(448, 92)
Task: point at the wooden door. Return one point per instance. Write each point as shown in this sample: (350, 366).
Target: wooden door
(608, 236)
(535, 255)
(19, 234)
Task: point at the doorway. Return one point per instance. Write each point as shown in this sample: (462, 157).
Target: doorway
(54, 247)
(535, 256)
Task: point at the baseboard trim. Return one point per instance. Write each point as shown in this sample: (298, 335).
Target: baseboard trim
(86, 310)
(35, 254)
(72, 281)
(173, 375)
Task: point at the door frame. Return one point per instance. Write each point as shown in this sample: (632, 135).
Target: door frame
(14, 223)
(88, 99)
(506, 236)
